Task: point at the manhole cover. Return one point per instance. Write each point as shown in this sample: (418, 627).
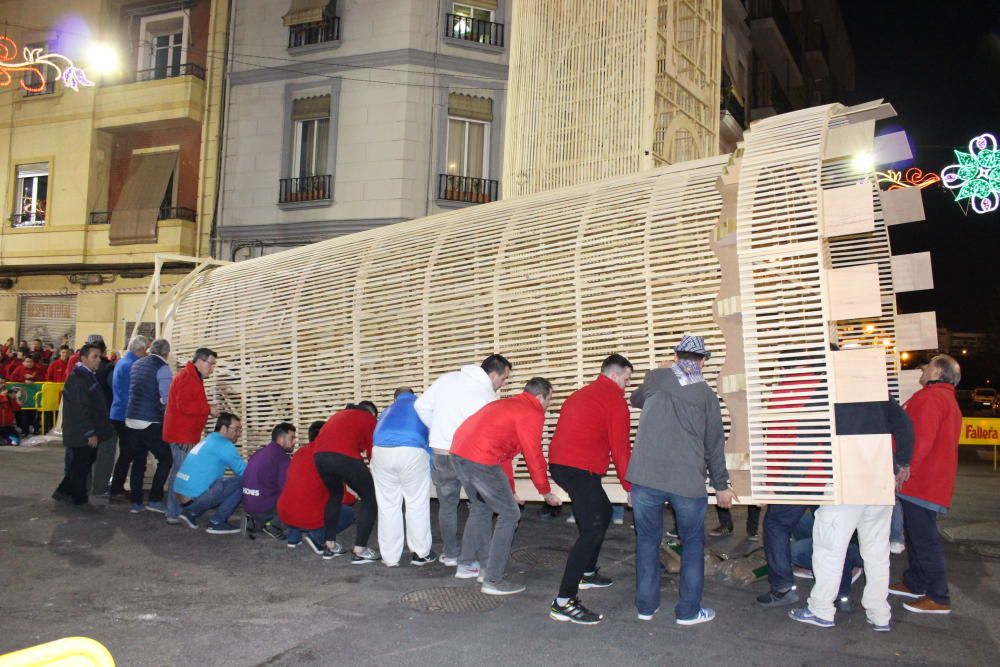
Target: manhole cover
(451, 600)
(540, 557)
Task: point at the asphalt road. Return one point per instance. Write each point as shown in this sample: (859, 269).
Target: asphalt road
(166, 595)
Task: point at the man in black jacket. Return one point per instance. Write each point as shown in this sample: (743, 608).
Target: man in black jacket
(85, 424)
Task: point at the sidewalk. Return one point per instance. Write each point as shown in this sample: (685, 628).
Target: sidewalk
(166, 595)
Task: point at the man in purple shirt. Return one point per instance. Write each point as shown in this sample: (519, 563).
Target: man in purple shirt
(263, 480)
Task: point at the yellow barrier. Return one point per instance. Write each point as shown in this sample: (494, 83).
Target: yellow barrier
(981, 431)
(68, 652)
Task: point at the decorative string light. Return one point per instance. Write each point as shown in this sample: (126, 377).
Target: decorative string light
(39, 64)
(976, 177)
(914, 177)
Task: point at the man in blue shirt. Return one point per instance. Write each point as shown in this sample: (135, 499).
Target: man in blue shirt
(119, 386)
(401, 471)
(202, 484)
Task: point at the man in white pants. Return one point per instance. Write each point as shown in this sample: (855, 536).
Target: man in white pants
(835, 524)
(401, 471)
(449, 401)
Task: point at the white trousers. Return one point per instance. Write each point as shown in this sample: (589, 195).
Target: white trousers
(832, 531)
(402, 474)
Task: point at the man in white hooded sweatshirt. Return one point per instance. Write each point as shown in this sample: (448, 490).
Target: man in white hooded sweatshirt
(448, 402)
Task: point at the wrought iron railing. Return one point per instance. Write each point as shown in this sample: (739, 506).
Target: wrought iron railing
(27, 220)
(473, 30)
(467, 189)
(304, 189)
(327, 30)
(165, 213)
(170, 71)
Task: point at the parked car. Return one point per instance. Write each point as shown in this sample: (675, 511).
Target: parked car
(983, 397)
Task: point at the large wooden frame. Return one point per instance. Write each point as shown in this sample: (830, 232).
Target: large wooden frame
(731, 248)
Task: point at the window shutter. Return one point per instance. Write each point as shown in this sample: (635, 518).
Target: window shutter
(473, 108)
(310, 108)
(306, 11)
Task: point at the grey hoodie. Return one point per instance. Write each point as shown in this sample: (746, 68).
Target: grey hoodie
(681, 437)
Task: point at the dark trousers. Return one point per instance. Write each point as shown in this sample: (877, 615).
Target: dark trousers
(335, 470)
(753, 518)
(26, 419)
(592, 511)
(779, 522)
(145, 441)
(126, 453)
(926, 572)
(74, 484)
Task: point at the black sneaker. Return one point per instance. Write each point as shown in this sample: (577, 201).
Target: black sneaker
(594, 580)
(754, 536)
(328, 553)
(273, 531)
(574, 612)
(426, 560)
(844, 605)
(222, 528)
(721, 530)
(778, 598)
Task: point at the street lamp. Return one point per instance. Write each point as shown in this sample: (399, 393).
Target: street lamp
(102, 58)
(863, 162)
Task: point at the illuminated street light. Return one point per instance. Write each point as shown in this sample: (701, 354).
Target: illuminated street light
(964, 351)
(905, 356)
(863, 162)
(102, 58)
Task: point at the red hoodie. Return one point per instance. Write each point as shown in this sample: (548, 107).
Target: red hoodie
(57, 371)
(594, 427)
(303, 498)
(348, 432)
(187, 408)
(501, 430)
(937, 425)
(8, 408)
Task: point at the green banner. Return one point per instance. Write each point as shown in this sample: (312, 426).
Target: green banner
(28, 394)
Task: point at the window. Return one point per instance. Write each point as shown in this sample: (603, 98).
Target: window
(474, 23)
(163, 51)
(475, 13)
(31, 196)
(311, 22)
(310, 171)
(467, 147)
(34, 84)
(311, 137)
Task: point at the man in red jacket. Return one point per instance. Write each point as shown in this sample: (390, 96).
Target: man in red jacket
(483, 448)
(937, 424)
(9, 407)
(303, 499)
(57, 369)
(340, 445)
(184, 418)
(593, 428)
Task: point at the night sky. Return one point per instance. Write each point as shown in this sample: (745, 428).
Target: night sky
(938, 64)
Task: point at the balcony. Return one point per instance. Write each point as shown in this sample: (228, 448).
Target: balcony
(467, 189)
(166, 213)
(320, 32)
(732, 118)
(469, 29)
(170, 95)
(776, 41)
(27, 220)
(305, 190)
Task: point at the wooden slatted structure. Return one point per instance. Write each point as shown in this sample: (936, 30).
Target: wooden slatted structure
(603, 88)
(747, 250)
(556, 282)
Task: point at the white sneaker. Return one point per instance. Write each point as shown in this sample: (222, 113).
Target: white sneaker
(450, 562)
(704, 616)
(647, 617)
(896, 547)
(467, 571)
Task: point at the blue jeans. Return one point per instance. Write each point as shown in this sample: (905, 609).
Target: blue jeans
(647, 509)
(179, 453)
(224, 495)
(896, 530)
(779, 523)
(319, 534)
(617, 512)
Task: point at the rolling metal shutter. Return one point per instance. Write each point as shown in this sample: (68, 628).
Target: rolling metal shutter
(48, 318)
